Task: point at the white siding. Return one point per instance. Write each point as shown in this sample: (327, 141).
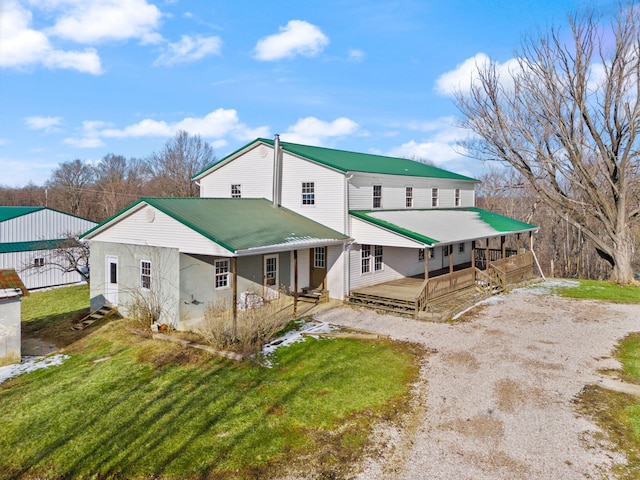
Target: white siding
(44, 224)
(398, 263)
(335, 273)
(394, 191)
(303, 269)
(329, 208)
(253, 171)
(364, 232)
(163, 231)
(47, 276)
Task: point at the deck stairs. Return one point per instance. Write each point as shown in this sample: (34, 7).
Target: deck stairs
(378, 302)
(314, 295)
(103, 312)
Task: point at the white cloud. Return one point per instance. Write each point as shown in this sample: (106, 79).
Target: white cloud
(443, 129)
(24, 47)
(355, 55)
(189, 49)
(312, 131)
(461, 78)
(215, 125)
(437, 152)
(96, 21)
(87, 142)
(296, 38)
(48, 124)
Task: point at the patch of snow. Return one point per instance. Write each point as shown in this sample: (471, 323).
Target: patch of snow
(30, 364)
(309, 328)
(547, 287)
(487, 301)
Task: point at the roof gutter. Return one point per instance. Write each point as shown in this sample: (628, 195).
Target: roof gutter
(288, 247)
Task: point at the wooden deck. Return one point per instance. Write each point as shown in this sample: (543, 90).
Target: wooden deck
(414, 295)
(404, 289)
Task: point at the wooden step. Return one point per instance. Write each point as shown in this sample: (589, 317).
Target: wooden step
(101, 313)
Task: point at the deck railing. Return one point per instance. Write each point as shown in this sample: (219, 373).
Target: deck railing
(501, 272)
(495, 254)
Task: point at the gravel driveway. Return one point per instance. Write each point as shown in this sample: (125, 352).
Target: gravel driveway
(494, 401)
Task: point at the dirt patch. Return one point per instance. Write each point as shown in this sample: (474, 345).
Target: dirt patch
(482, 427)
(36, 347)
(511, 396)
(462, 359)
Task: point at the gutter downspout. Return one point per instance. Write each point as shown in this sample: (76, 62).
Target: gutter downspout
(277, 173)
(346, 248)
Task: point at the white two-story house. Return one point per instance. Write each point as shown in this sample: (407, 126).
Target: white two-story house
(282, 217)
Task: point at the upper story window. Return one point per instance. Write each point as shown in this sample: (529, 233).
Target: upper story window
(145, 274)
(236, 190)
(377, 196)
(457, 197)
(222, 273)
(38, 262)
(408, 195)
(308, 193)
(434, 197)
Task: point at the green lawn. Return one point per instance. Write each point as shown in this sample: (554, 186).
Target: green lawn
(123, 406)
(49, 314)
(597, 290)
(619, 413)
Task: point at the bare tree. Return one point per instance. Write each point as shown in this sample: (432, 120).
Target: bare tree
(119, 182)
(69, 255)
(181, 157)
(68, 184)
(567, 120)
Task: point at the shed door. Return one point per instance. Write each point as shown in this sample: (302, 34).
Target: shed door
(318, 267)
(111, 280)
(271, 277)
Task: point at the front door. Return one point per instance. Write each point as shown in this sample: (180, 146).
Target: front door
(271, 277)
(111, 280)
(318, 268)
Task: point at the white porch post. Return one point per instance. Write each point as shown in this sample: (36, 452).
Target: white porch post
(295, 283)
(234, 274)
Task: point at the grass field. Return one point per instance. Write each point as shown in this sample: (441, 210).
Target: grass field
(49, 314)
(599, 290)
(123, 406)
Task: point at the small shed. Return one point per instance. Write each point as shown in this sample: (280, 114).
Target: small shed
(11, 292)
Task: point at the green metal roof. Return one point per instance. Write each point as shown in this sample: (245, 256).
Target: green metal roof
(443, 225)
(237, 223)
(7, 213)
(30, 246)
(346, 161)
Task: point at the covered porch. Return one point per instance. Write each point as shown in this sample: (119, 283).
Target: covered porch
(453, 288)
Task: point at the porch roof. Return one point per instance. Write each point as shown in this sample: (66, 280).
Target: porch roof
(243, 226)
(443, 226)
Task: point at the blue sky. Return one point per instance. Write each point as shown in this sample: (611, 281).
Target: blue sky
(83, 78)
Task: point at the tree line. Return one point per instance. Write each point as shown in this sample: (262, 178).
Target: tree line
(99, 190)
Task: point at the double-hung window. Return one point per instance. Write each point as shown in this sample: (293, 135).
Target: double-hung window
(434, 197)
(236, 190)
(308, 193)
(408, 195)
(365, 258)
(145, 274)
(222, 273)
(461, 248)
(38, 262)
(377, 258)
(377, 196)
(371, 258)
(457, 197)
